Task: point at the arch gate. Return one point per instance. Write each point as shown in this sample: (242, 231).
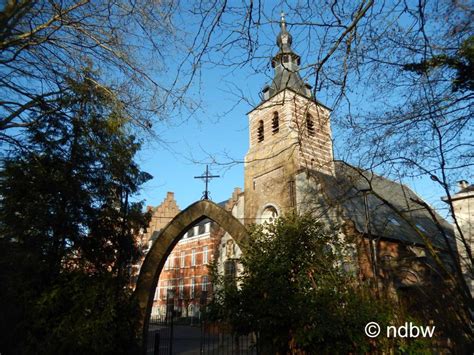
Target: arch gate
(164, 244)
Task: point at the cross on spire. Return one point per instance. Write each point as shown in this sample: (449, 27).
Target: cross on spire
(206, 177)
(282, 20)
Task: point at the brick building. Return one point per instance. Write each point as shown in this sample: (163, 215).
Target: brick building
(185, 277)
(185, 280)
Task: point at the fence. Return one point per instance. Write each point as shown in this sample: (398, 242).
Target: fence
(171, 335)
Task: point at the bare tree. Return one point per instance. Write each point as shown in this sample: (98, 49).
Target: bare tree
(399, 77)
(45, 44)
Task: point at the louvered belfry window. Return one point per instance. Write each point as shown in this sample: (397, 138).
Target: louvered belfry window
(275, 123)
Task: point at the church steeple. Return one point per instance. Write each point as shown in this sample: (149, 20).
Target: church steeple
(289, 133)
(284, 38)
(286, 64)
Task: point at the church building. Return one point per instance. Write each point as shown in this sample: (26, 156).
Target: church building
(290, 167)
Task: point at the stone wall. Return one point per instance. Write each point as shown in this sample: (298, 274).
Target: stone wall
(271, 163)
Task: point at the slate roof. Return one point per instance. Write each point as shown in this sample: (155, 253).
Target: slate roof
(287, 70)
(347, 189)
(286, 63)
(288, 79)
(470, 188)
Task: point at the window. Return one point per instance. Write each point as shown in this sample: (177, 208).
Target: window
(310, 125)
(275, 123)
(205, 282)
(169, 294)
(193, 258)
(171, 261)
(191, 232)
(201, 229)
(183, 259)
(269, 215)
(260, 131)
(170, 290)
(191, 310)
(229, 269)
(193, 286)
(205, 257)
(181, 289)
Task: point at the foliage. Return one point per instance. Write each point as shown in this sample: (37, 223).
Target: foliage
(462, 63)
(296, 294)
(65, 212)
(82, 314)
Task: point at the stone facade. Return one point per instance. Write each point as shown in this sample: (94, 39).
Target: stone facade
(161, 215)
(287, 133)
(463, 205)
(227, 251)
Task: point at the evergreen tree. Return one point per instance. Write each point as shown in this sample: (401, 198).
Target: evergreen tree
(67, 227)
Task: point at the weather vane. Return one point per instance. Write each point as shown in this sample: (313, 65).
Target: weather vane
(206, 177)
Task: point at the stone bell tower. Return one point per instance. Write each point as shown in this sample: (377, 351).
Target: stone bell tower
(289, 132)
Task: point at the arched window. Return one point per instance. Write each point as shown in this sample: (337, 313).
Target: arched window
(269, 214)
(275, 123)
(260, 131)
(310, 125)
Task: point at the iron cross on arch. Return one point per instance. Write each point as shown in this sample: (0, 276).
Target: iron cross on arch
(206, 177)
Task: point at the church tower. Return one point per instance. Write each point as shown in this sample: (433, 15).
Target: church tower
(289, 132)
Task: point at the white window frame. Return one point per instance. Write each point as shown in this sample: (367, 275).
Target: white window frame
(205, 283)
(181, 289)
(193, 257)
(205, 255)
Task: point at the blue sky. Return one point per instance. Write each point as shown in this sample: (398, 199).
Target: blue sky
(219, 129)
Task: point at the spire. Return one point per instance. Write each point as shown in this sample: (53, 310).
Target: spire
(286, 64)
(284, 38)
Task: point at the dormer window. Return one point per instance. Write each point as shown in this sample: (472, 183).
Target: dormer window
(275, 123)
(260, 132)
(266, 92)
(310, 125)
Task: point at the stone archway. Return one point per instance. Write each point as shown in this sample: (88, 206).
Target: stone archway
(166, 241)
